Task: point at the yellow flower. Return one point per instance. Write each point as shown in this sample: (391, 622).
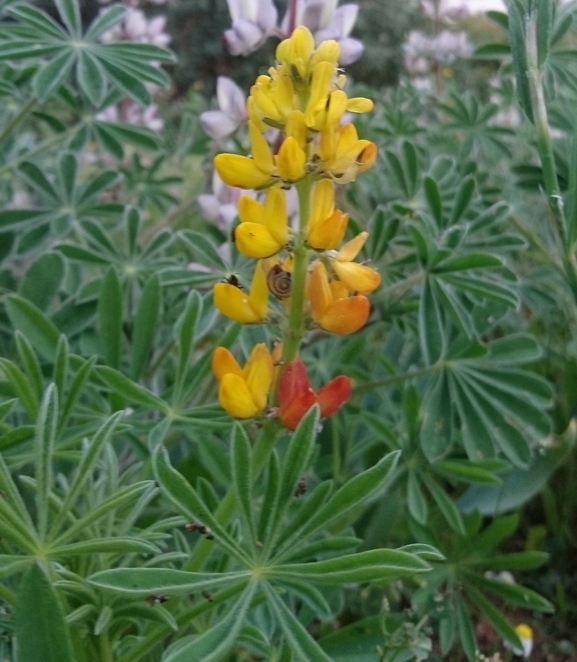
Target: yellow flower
(331, 307)
(327, 225)
(342, 155)
(353, 276)
(239, 306)
(263, 230)
(243, 392)
(262, 169)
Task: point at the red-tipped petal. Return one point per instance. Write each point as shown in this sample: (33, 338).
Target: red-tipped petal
(292, 414)
(293, 383)
(334, 395)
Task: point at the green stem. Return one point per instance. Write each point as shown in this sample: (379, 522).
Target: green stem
(395, 379)
(105, 648)
(17, 119)
(225, 511)
(543, 134)
(295, 328)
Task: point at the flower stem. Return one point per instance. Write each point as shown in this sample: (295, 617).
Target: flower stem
(295, 328)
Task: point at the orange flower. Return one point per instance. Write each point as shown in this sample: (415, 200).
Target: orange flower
(296, 395)
(331, 307)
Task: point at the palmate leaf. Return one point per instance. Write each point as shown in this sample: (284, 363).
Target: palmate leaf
(98, 66)
(499, 406)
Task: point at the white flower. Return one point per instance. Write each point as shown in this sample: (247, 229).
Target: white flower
(327, 21)
(224, 122)
(525, 634)
(253, 21)
(222, 204)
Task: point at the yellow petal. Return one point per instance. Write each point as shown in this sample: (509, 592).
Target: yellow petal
(328, 233)
(276, 215)
(328, 51)
(291, 160)
(302, 47)
(258, 297)
(241, 171)
(261, 151)
(346, 316)
(336, 108)
(357, 277)
(235, 397)
(352, 248)
(262, 98)
(249, 210)
(360, 105)
(258, 374)
(224, 363)
(323, 201)
(296, 127)
(319, 292)
(322, 77)
(234, 303)
(256, 241)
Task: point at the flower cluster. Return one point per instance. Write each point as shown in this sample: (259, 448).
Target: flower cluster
(254, 21)
(312, 276)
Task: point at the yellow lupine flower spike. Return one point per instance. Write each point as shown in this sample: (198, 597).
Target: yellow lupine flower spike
(243, 392)
(355, 277)
(239, 306)
(263, 230)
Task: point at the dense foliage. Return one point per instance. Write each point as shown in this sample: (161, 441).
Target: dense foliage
(138, 520)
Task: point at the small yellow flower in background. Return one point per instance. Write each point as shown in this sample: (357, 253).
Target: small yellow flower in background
(355, 277)
(525, 634)
(263, 229)
(331, 306)
(243, 392)
(239, 306)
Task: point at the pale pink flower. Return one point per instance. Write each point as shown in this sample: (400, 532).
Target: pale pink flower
(222, 204)
(232, 113)
(253, 21)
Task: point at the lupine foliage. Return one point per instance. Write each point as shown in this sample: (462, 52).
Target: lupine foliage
(138, 520)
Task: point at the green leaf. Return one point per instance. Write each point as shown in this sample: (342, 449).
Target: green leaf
(145, 326)
(186, 500)
(38, 180)
(91, 77)
(468, 261)
(14, 219)
(466, 631)
(44, 448)
(127, 83)
(311, 596)
(82, 254)
(30, 363)
(203, 247)
(106, 19)
(40, 628)
(151, 581)
(350, 496)
(375, 565)
(215, 644)
(436, 429)
(517, 36)
(76, 388)
(136, 135)
(514, 594)
(39, 19)
(544, 18)
(70, 14)
(514, 348)
(515, 561)
(300, 641)
(37, 328)
(431, 326)
(466, 470)
(130, 391)
(42, 280)
(434, 199)
(110, 310)
(90, 456)
(416, 501)
(21, 387)
(185, 333)
(51, 75)
(501, 625)
(242, 479)
(295, 462)
(446, 506)
(116, 545)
